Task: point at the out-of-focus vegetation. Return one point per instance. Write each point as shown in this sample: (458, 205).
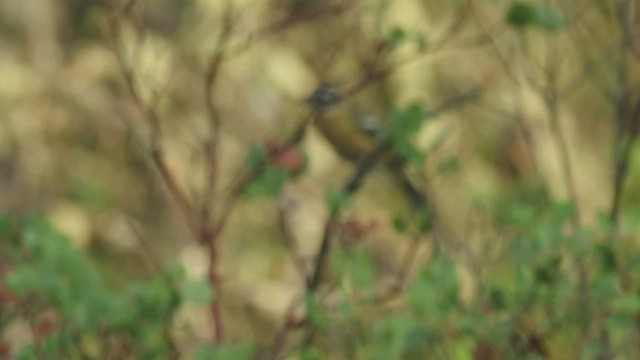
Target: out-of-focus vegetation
(165, 192)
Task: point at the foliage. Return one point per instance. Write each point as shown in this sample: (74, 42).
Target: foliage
(522, 14)
(551, 283)
(74, 313)
(406, 123)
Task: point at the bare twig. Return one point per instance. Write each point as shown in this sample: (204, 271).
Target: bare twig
(626, 117)
(153, 121)
(290, 240)
(210, 233)
(289, 323)
(212, 144)
(627, 126)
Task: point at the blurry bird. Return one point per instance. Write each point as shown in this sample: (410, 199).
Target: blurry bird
(340, 126)
(359, 138)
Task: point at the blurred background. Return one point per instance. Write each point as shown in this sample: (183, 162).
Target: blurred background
(88, 89)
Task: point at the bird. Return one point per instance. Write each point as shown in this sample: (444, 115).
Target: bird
(359, 138)
(338, 124)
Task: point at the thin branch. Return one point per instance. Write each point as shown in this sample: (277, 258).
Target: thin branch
(209, 237)
(624, 118)
(211, 146)
(589, 68)
(289, 323)
(210, 233)
(290, 240)
(149, 255)
(580, 43)
(246, 175)
(551, 101)
(626, 135)
(153, 121)
(504, 60)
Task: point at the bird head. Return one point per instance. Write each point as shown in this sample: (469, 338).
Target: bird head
(324, 97)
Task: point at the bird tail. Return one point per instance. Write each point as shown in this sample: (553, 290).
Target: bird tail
(416, 196)
(425, 214)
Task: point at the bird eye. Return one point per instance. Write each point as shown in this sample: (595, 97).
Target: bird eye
(324, 96)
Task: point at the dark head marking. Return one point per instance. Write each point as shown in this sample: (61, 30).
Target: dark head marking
(324, 97)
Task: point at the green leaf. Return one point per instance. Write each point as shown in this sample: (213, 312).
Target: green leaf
(32, 232)
(336, 200)
(443, 271)
(630, 219)
(27, 352)
(50, 344)
(522, 215)
(407, 151)
(363, 270)
(199, 292)
(563, 212)
(23, 279)
(406, 123)
(315, 312)
(607, 257)
(463, 349)
(225, 352)
(91, 192)
(153, 346)
(450, 165)
(497, 298)
(421, 294)
(548, 270)
(400, 225)
(620, 322)
(604, 287)
(591, 350)
(5, 225)
(522, 14)
(340, 261)
(122, 314)
(257, 156)
(524, 280)
(548, 18)
(174, 271)
(310, 354)
(155, 298)
(396, 36)
(421, 42)
(390, 333)
(604, 221)
(424, 220)
(627, 304)
(269, 183)
(417, 338)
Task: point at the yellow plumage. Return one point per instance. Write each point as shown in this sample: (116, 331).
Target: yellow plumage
(343, 132)
(339, 125)
(342, 126)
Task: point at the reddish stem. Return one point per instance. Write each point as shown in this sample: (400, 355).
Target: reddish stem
(210, 238)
